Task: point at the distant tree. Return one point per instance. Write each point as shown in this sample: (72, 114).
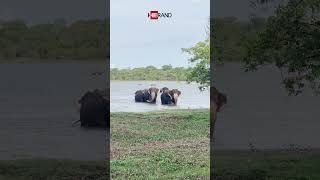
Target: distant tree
(60, 22)
(166, 67)
(84, 39)
(151, 73)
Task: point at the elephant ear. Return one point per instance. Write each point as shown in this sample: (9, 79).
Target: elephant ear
(80, 101)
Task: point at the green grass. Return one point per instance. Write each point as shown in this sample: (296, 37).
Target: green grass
(170, 145)
(47, 169)
(267, 165)
(160, 145)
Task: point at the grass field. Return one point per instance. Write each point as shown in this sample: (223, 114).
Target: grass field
(170, 145)
(160, 145)
(267, 165)
(48, 169)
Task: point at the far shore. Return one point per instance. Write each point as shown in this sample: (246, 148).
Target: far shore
(51, 61)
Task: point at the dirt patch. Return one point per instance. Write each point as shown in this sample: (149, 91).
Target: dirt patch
(148, 147)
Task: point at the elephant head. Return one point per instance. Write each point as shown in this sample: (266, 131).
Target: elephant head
(94, 109)
(175, 93)
(164, 89)
(153, 94)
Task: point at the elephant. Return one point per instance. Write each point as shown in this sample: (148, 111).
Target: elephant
(94, 109)
(169, 97)
(163, 89)
(217, 101)
(147, 95)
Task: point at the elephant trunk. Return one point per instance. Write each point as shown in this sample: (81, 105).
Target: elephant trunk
(175, 97)
(152, 97)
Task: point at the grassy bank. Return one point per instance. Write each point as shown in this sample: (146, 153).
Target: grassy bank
(170, 145)
(160, 145)
(267, 165)
(229, 165)
(43, 169)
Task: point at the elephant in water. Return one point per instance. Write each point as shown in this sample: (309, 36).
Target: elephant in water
(163, 89)
(147, 95)
(94, 109)
(169, 97)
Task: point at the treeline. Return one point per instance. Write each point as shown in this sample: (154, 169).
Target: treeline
(229, 37)
(80, 40)
(166, 73)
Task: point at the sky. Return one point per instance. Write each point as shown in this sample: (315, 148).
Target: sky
(137, 41)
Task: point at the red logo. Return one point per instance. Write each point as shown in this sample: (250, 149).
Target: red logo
(153, 15)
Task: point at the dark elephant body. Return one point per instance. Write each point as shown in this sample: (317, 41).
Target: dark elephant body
(166, 99)
(94, 110)
(146, 95)
(142, 96)
(169, 97)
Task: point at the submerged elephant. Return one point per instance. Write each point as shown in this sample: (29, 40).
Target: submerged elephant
(147, 95)
(169, 97)
(94, 109)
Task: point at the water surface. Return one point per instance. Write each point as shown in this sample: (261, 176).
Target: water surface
(38, 104)
(122, 96)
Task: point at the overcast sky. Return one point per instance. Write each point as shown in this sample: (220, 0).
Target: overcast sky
(137, 41)
(38, 11)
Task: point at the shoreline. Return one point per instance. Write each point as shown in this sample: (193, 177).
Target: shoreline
(161, 111)
(54, 61)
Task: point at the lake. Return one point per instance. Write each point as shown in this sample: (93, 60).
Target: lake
(38, 104)
(122, 96)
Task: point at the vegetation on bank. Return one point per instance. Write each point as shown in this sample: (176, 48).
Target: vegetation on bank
(228, 165)
(151, 73)
(160, 145)
(80, 40)
(267, 165)
(53, 169)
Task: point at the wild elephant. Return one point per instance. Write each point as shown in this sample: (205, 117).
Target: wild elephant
(146, 95)
(218, 100)
(170, 97)
(163, 89)
(94, 109)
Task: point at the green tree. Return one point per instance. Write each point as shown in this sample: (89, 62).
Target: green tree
(200, 59)
(291, 41)
(166, 67)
